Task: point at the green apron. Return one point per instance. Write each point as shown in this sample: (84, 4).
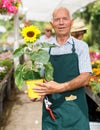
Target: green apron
(73, 114)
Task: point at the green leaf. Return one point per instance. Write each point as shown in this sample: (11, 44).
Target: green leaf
(48, 71)
(42, 56)
(29, 74)
(2, 74)
(46, 45)
(18, 74)
(19, 81)
(6, 62)
(98, 87)
(19, 51)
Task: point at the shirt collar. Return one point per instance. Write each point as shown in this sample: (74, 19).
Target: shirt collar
(69, 41)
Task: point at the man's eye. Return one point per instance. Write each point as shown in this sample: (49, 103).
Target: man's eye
(56, 19)
(65, 18)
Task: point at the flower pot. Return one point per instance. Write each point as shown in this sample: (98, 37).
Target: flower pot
(31, 84)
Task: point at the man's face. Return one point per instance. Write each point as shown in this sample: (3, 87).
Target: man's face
(61, 22)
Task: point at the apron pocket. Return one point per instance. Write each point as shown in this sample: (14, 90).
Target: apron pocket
(71, 114)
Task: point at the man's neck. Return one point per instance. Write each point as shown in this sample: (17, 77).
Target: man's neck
(62, 39)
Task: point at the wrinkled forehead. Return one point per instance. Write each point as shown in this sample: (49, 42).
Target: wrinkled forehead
(61, 12)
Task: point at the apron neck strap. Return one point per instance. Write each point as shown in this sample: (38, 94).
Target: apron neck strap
(50, 49)
(73, 46)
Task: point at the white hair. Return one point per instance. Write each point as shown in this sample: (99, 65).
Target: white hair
(60, 7)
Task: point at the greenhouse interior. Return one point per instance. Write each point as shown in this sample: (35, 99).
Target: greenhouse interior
(22, 22)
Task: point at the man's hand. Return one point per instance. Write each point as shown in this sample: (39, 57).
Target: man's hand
(37, 99)
(48, 88)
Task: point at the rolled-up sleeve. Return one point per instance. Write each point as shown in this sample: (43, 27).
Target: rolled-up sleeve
(84, 59)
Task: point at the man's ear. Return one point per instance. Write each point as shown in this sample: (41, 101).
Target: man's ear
(51, 24)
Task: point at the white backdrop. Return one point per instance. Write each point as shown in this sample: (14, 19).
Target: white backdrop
(41, 10)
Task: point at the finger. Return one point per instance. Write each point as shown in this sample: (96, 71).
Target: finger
(38, 99)
(43, 94)
(41, 84)
(42, 97)
(45, 81)
(33, 99)
(39, 89)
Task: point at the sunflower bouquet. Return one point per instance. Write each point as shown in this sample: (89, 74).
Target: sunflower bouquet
(38, 65)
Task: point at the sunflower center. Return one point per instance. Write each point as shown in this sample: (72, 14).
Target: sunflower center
(30, 34)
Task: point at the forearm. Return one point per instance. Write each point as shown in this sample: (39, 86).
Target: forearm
(81, 80)
(54, 87)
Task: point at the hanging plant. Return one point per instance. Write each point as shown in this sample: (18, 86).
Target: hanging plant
(9, 6)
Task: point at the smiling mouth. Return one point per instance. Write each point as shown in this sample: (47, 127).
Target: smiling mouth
(63, 28)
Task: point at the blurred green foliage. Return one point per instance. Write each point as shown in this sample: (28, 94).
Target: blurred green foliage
(7, 64)
(9, 27)
(40, 25)
(91, 15)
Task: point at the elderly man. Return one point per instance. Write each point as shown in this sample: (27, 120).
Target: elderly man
(65, 106)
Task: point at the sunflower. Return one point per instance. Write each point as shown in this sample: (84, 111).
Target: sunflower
(30, 33)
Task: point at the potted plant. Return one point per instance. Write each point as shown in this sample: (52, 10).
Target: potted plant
(38, 65)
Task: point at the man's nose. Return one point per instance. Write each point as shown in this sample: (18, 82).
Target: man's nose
(61, 21)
